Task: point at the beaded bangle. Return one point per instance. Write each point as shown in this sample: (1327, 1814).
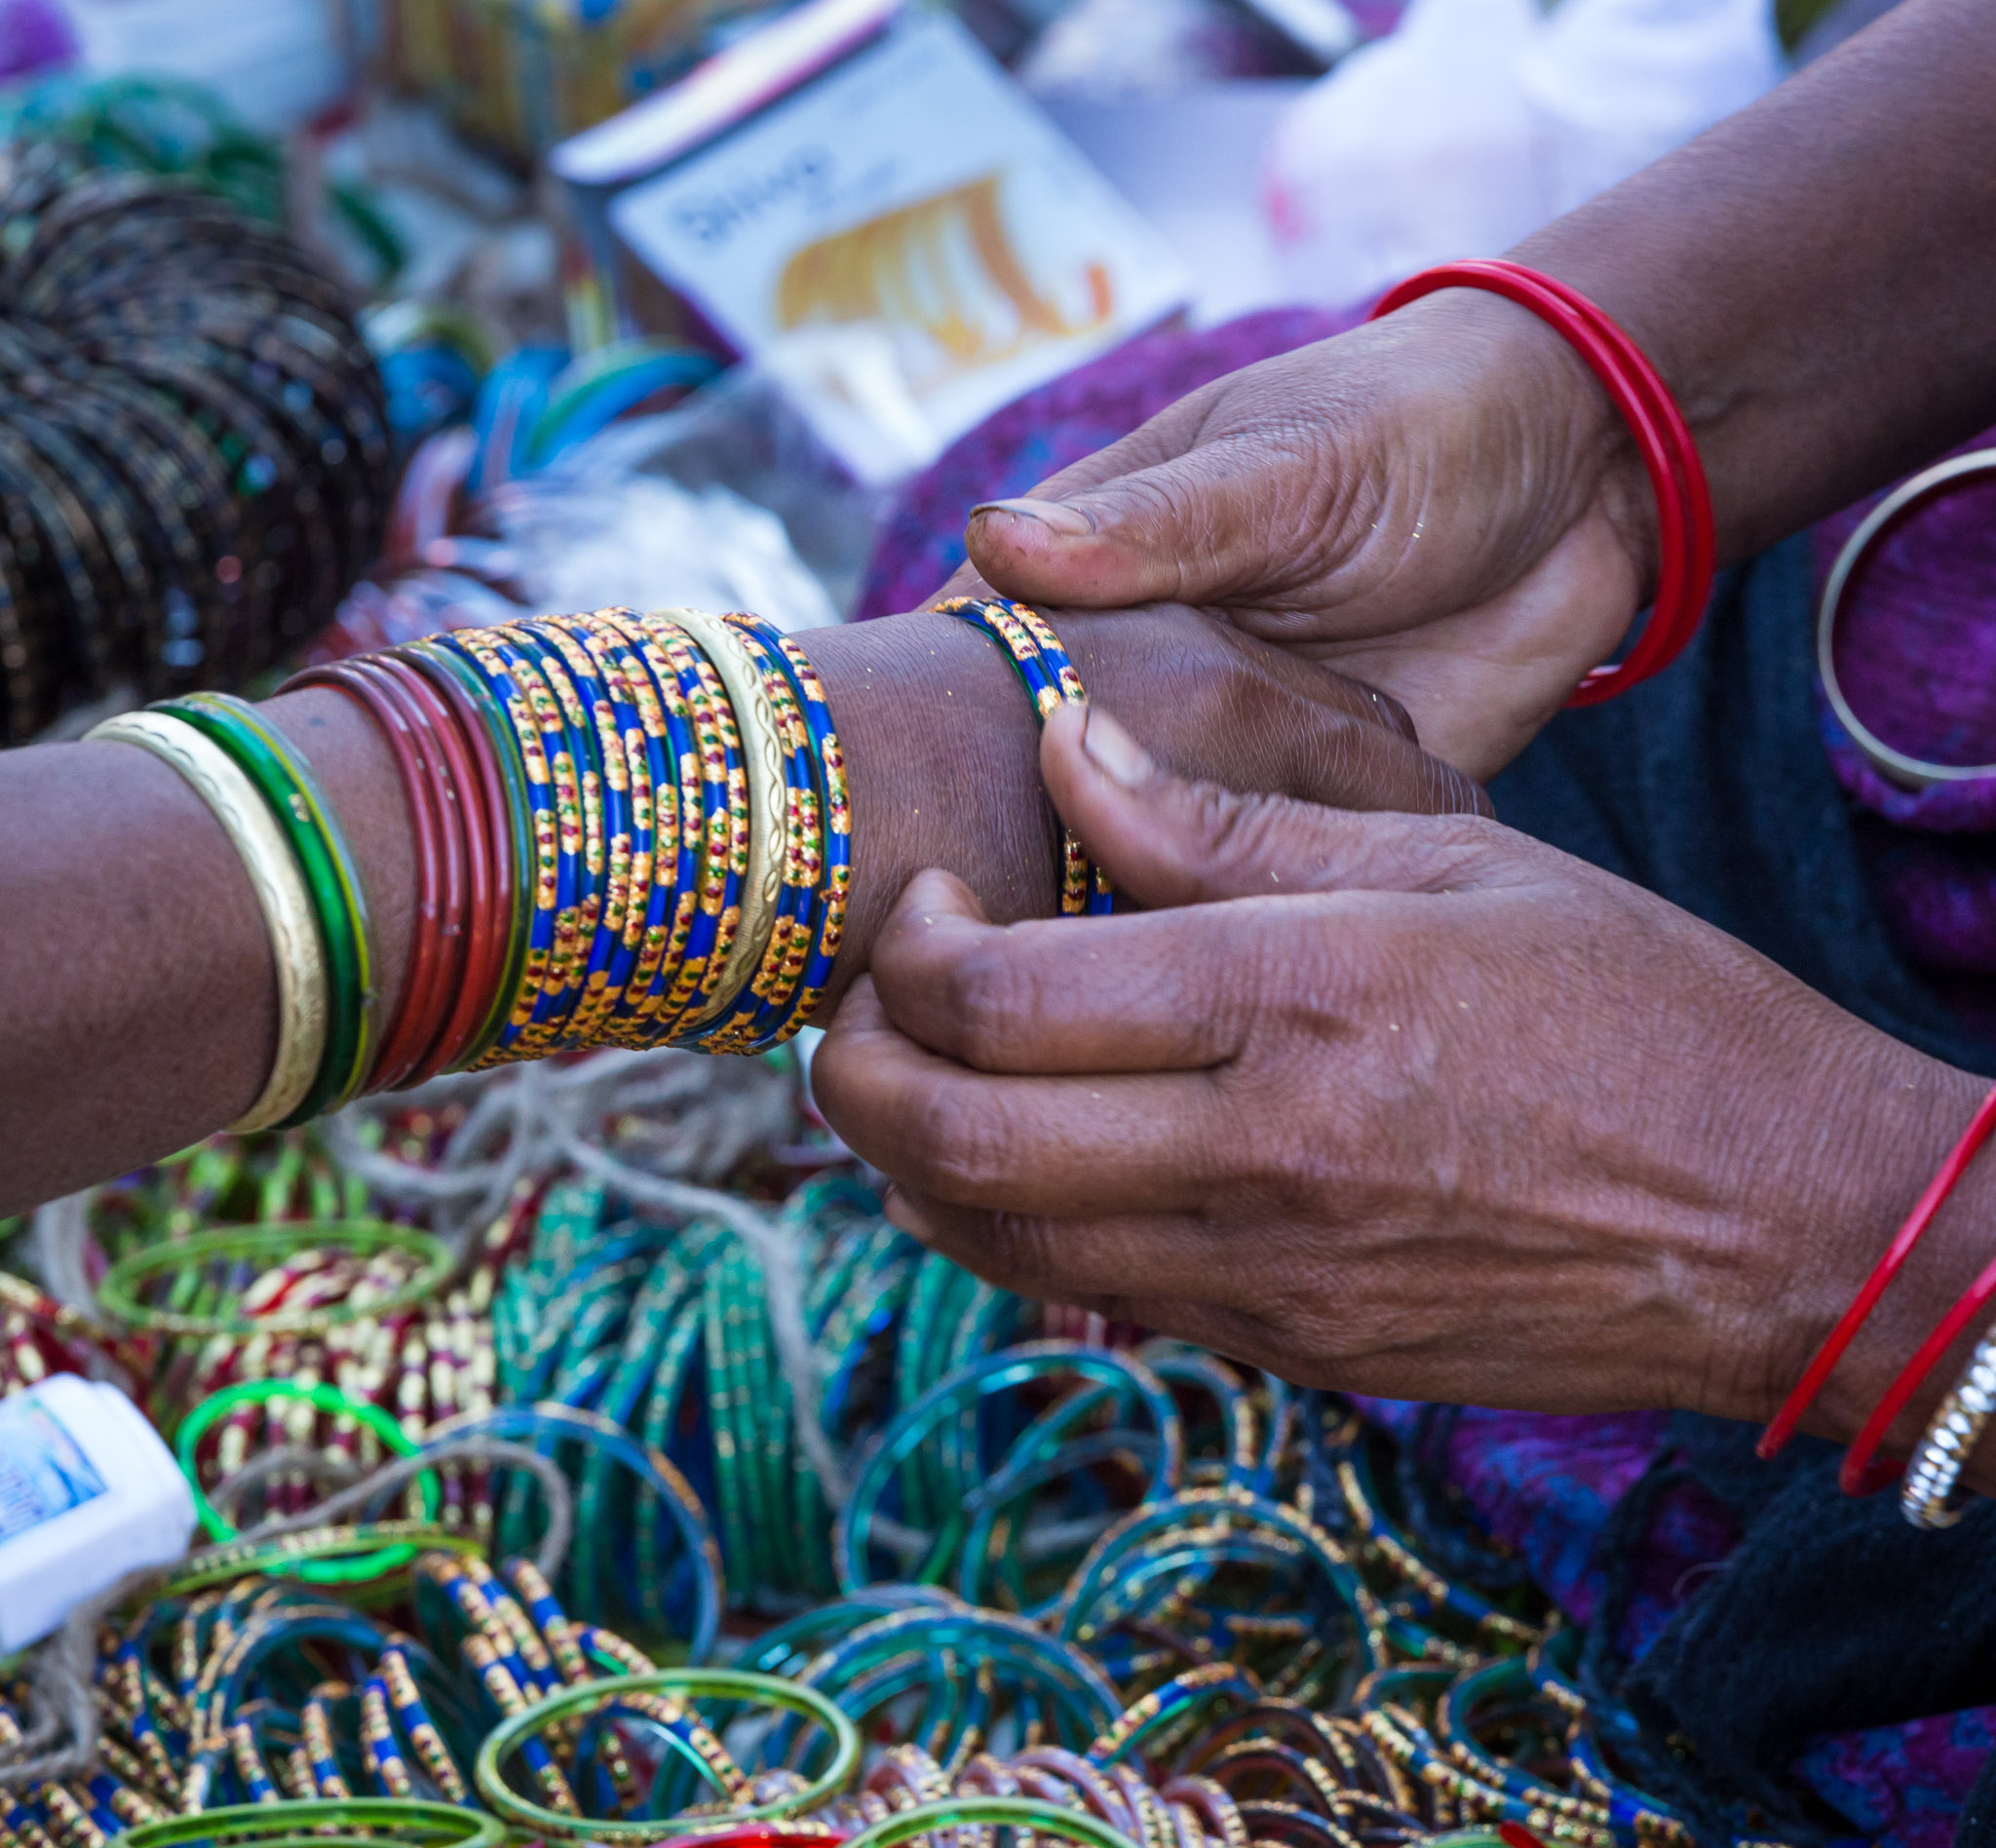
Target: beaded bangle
(288, 783)
(1049, 680)
(282, 895)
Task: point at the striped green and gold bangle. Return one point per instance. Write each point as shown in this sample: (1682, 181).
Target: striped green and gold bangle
(285, 782)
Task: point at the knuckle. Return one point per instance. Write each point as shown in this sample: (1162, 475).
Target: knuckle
(1023, 1254)
(958, 1152)
(991, 999)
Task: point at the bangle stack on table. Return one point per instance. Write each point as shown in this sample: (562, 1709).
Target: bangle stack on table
(1221, 1667)
(194, 447)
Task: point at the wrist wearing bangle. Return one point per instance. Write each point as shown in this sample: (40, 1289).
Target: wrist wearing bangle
(1685, 543)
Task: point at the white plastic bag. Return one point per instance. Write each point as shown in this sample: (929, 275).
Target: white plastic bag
(1477, 121)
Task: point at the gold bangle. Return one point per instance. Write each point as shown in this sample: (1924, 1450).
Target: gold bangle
(281, 893)
(762, 755)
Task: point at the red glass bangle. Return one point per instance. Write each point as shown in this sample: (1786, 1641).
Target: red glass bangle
(1781, 1426)
(419, 980)
(481, 943)
(493, 921)
(1685, 545)
(446, 975)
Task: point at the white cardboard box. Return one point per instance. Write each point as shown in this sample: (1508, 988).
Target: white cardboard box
(910, 185)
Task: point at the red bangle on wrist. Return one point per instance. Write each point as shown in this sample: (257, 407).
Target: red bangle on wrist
(1781, 1427)
(1685, 546)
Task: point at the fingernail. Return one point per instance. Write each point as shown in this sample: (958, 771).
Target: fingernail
(1069, 522)
(1114, 753)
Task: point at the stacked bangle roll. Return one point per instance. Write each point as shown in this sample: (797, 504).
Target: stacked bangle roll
(1050, 681)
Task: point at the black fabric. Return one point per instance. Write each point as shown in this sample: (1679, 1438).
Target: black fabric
(1710, 786)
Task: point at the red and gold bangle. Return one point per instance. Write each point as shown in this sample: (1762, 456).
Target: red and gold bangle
(1685, 543)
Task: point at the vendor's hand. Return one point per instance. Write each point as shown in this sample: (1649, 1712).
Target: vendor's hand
(1408, 1105)
(942, 747)
(1441, 503)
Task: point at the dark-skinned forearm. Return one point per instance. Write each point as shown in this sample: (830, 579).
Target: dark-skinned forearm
(138, 996)
(1813, 276)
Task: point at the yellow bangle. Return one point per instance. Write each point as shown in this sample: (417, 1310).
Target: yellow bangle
(762, 755)
(281, 892)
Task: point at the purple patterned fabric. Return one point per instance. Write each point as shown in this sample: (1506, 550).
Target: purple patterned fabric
(1917, 657)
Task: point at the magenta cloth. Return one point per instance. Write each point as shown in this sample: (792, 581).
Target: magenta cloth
(1917, 658)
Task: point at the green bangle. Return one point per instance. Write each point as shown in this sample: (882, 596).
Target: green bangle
(513, 772)
(321, 1825)
(285, 782)
(321, 1398)
(279, 1558)
(687, 1684)
(1020, 1813)
(117, 1294)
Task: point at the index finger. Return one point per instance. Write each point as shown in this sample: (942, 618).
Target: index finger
(1148, 991)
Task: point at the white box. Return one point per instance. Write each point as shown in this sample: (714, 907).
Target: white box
(910, 185)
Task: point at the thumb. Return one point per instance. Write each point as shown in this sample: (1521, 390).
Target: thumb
(1193, 530)
(1166, 841)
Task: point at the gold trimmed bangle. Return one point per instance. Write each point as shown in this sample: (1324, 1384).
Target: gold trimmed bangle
(280, 894)
(762, 755)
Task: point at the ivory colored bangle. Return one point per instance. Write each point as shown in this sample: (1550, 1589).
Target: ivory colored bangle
(281, 893)
(1948, 1441)
(762, 753)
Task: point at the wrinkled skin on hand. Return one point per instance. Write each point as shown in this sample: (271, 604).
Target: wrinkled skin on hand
(1442, 504)
(941, 749)
(1409, 1105)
